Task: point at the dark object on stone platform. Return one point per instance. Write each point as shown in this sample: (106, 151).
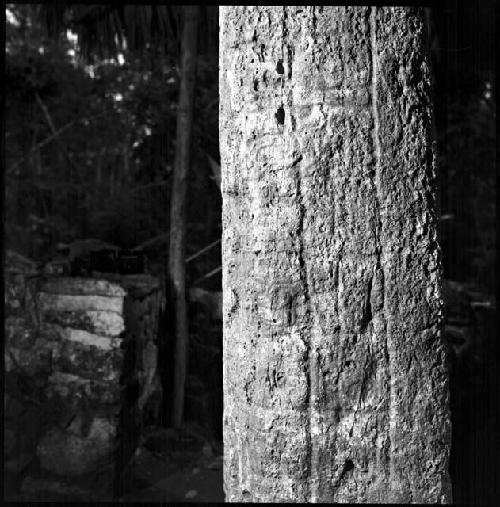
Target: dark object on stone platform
(85, 257)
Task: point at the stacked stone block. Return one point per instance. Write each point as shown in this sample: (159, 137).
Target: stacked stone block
(81, 369)
(27, 364)
(82, 322)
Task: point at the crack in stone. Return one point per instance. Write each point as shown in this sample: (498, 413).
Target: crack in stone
(305, 285)
(376, 181)
(310, 356)
(347, 467)
(362, 389)
(367, 310)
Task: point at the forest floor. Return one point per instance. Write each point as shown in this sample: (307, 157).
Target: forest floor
(169, 466)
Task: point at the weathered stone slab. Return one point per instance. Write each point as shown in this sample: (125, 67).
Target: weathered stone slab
(14, 290)
(20, 277)
(18, 292)
(63, 302)
(137, 285)
(54, 331)
(66, 385)
(32, 361)
(94, 340)
(82, 359)
(19, 332)
(72, 329)
(335, 381)
(68, 454)
(82, 287)
(95, 321)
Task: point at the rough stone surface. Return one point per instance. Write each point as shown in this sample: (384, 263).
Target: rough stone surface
(65, 345)
(33, 361)
(24, 351)
(81, 336)
(19, 331)
(335, 383)
(82, 356)
(64, 302)
(70, 453)
(68, 386)
(99, 322)
(82, 286)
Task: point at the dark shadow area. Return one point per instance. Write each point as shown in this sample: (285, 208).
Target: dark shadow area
(464, 57)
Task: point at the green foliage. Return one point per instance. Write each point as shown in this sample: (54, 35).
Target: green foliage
(90, 142)
(69, 186)
(106, 30)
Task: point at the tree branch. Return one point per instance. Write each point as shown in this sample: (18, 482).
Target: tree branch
(40, 145)
(203, 250)
(47, 140)
(46, 113)
(208, 275)
(153, 241)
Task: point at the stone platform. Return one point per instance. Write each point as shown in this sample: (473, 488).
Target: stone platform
(81, 370)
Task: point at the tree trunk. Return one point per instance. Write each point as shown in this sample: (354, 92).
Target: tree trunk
(177, 270)
(335, 385)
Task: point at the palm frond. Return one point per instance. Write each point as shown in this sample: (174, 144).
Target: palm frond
(105, 29)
